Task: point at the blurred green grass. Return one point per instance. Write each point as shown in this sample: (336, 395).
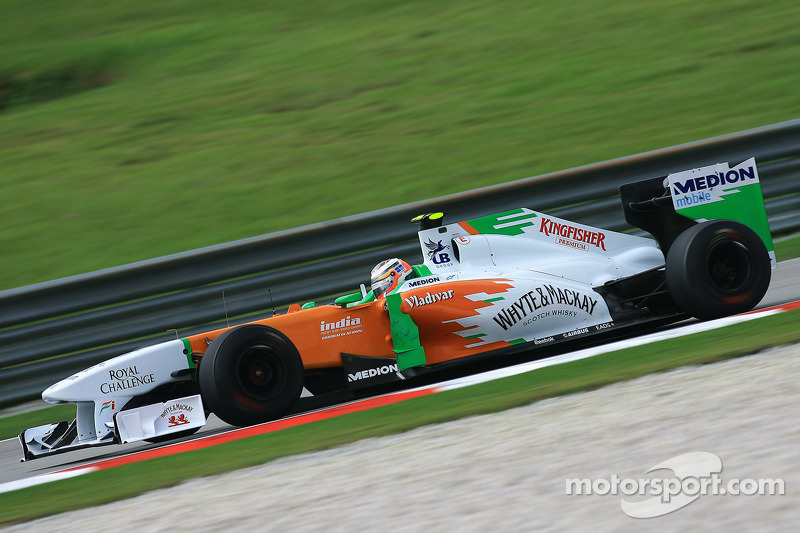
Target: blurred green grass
(787, 248)
(12, 425)
(131, 131)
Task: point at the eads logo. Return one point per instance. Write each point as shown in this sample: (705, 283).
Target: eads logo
(436, 252)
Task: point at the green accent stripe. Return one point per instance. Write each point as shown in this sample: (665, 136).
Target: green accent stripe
(187, 348)
(476, 336)
(517, 341)
(405, 335)
(488, 224)
(490, 300)
(421, 270)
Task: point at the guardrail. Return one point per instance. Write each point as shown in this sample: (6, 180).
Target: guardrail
(51, 330)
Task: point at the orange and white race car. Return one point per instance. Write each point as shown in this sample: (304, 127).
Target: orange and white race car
(492, 285)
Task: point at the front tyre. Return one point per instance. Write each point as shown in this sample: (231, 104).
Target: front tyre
(718, 268)
(250, 374)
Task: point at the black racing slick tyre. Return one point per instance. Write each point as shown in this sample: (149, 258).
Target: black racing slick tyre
(250, 374)
(717, 268)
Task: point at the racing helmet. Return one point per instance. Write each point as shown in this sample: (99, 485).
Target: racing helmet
(387, 275)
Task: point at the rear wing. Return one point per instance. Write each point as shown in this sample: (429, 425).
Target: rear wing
(666, 206)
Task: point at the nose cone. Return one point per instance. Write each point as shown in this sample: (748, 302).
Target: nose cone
(55, 393)
(78, 387)
(127, 375)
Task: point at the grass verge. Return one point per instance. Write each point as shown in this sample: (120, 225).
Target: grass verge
(152, 127)
(131, 480)
(788, 248)
(10, 426)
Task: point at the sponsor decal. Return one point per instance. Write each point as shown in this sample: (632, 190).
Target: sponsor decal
(564, 312)
(534, 318)
(423, 281)
(572, 236)
(372, 372)
(177, 414)
(345, 326)
(177, 407)
(415, 301)
(539, 298)
(363, 371)
(545, 314)
(436, 252)
(572, 244)
(575, 332)
(707, 185)
(463, 240)
(734, 176)
(178, 420)
(346, 322)
(693, 199)
(125, 378)
(107, 405)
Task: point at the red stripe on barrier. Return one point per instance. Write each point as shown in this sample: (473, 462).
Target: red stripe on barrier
(269, 427)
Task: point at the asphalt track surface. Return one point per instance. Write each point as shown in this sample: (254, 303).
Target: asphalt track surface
(783, 288)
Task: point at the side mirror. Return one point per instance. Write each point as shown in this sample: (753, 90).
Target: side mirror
(343, 301)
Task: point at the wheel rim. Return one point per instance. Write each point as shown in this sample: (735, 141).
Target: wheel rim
(261, 371)
(729, 267)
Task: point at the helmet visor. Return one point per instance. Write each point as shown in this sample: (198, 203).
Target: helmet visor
(382, 284)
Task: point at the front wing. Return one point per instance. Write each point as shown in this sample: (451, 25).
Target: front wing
(142, 423)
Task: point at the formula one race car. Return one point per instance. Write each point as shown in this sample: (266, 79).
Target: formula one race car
(499, 284)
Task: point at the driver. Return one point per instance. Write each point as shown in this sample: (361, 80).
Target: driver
(387, 275)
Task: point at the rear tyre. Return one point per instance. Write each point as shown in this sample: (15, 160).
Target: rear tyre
(250, 374)
(718, 268)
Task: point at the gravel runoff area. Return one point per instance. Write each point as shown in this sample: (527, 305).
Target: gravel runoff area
(508, 471)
